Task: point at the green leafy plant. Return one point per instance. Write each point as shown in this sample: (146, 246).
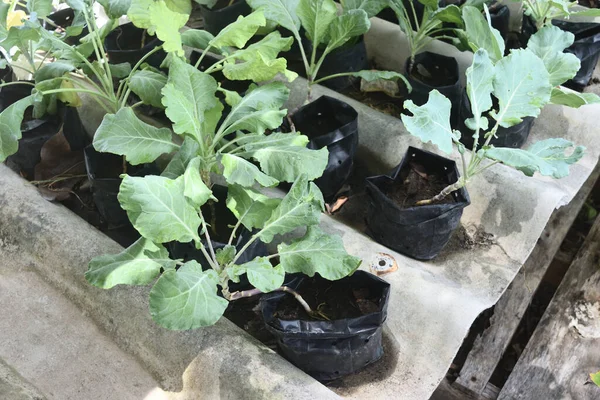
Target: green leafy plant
(595, 378)
(326, 28)
(523, 83)
(419, 33)
(544, 11)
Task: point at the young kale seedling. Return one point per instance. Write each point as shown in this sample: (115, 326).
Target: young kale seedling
(324, 27)
(544, 11)
(523, 83)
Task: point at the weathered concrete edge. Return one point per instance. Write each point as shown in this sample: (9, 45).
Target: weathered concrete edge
(220, 361)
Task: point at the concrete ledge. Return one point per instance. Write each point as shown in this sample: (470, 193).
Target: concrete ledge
(217, 362)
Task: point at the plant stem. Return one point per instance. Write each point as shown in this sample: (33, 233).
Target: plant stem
(445, 192)
(209, 243)
(202, 56)
(339, 75)
(57, 179)
(244, 248)
(17, 83)
(253, 292)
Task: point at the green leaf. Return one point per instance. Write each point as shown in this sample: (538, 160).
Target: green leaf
(371, 7)
(197, 38)
(269, 46)
(10, 126)
(158, 208)
(195, 188)
(148, 86)
(180, 6)
(548, 157)
(239, 32)
(255, 67)
(20, 37)
(262, 275)
(187, 96)
(176, 167)
(570, 98)
(450, 14)
(481, 34)
(522, 87)
(187, 298)
(596, 377)
(480, 79)
(258, 110)
(250, 207)
(225, 254)
(316, 16)
(41, 7)
(283, 12)
(125, 134)
(317, 252)
(53, 70)
(158, 18)
(589, 12)
(254, 142)
(115, 9)
(373, 75)
(120, 71)
(301, 206)
(345, 27)
(431, 121)
(287, 163)
(139, 264)
(239, 171)
(548, 44)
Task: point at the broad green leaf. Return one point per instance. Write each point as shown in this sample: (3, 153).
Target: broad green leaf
(195, 188)
(317, 252)
(187, 298)
(258, 110)
(480, 79)
(207, 3)
(596, 377)
(242, 172)
(4, 8)
(373, 75)
(180, 6)
(589, 12)
(53, 70)
(450, 14)
(570, 98)
(20, 37)
(41, 7)
(548, 44)
(345, 27)
(250, 207)
(481, 34)
(197, 38)
(148, 86)
(115, 9)
(254, 142)
(283, 12)
(262, 275)
(178, 164)
(548, 157)
(287, 163)
(225, 254)
(158, 208)
(301, 206)
(371, 7)
(429, 4)
(187, 96)
(431, 121)
(522, 87)
(120, 71)
(316, 16)
(269, 46)
(212, 118)
(139, 264)
(255, 67)
(158, 18)
(125, 134)
(10, 126)
(239, 32)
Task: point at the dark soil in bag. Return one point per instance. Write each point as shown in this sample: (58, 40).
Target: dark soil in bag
(512, 137)
(64, 18)
(434, 71)
(394, 220)
(103, 170)
(128, 43)
(35, 132)
(220, 220)
(349, 58)
(352, 337)
(330, 123)
(223, 14)
(586, 47)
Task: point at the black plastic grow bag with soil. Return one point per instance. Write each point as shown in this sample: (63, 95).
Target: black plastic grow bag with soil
(103, 170)
(394, 220)
(63, 19)
(128, 43)
(223, 14)
(348, 58)
(512, 137)
(35, 132)
(330, 123)
(434, 71)
(352, 337)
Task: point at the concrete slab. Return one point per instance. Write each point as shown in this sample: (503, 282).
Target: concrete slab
(14, 387)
